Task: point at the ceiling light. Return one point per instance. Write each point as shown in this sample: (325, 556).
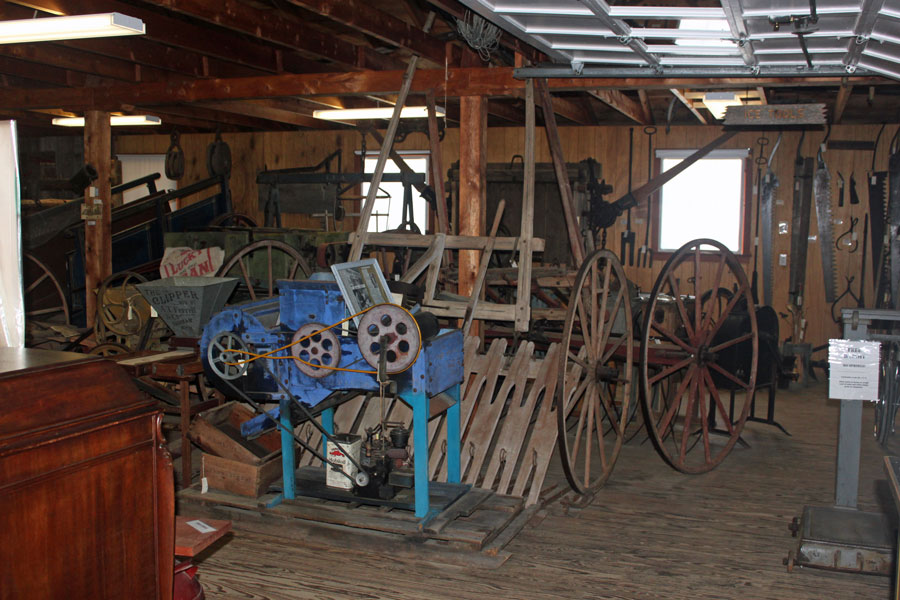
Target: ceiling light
(718, 102)
(69, 28)
(116, 120)
(385, 112)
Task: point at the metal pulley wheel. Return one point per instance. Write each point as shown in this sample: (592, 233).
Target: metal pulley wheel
(390, 329)
(174, 159)
(218, 157)
(312, 346)
(223, 351)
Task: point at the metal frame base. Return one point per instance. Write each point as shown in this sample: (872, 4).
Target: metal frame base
(843, 539)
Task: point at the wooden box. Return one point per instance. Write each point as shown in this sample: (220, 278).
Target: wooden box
(230, 462)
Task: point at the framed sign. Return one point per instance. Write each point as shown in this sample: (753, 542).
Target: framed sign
(362, 284)
(853, 369)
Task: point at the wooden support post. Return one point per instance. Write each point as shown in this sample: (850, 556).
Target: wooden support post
(362, 229)
(437, 172)
(562, 175)
(98, 231)
(472, 185)
(523, 283)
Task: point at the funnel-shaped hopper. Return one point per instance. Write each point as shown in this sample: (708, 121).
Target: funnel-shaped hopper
(186, 304)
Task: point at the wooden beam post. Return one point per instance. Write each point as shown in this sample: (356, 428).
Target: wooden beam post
(526, 232)
(472, 186)
(562, 175)
(97, 231)
(681, 98)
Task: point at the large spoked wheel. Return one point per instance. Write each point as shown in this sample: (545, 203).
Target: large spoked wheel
(44, 296)
(592, 401)
(699, 345)
(259, 265)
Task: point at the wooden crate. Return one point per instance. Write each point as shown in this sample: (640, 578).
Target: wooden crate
(240, 478)
(230, 462)
(218, 432)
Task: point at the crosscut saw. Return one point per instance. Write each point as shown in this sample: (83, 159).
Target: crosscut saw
(822, 190)
(766, 210)
(802, 201)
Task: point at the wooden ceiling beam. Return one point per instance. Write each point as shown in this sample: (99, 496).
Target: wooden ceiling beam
(363, 17)
(208, 118)
(681, 98)
(622, 103)
(646, 107)
(494, 82)
(271, 110)
(573, 111)
(173, 31)
(84, 62)
(843, 97)
(270, 26)
(43, 73)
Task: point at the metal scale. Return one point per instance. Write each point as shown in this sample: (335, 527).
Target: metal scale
(294, 351)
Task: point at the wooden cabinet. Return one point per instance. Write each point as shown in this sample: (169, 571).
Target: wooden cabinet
(86, 484)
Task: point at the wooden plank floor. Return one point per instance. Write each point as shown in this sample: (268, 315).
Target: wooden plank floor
(650, 533)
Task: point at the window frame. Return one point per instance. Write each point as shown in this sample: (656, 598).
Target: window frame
(746, 241)
(426, 154)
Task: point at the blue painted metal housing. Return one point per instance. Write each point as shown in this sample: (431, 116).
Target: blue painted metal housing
(267, 325)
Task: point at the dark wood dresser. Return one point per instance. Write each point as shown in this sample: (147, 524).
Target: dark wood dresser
(86, 484)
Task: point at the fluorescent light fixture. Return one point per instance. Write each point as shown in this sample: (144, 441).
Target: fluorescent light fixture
(116, 120)
(385, 112)
(718, 102)
(46, 29)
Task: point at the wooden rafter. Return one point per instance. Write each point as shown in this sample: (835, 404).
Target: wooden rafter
(271, 26)
(363, 17)
(622, 103)
(681, 98)
(646, 107)
(271, 109)
(843, 97)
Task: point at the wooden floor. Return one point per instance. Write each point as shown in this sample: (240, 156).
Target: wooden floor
(650, 533)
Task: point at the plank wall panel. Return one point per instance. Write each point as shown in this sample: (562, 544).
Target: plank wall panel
(609, 145)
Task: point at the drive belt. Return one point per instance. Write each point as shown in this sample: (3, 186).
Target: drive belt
(894, 227)
(822, 189)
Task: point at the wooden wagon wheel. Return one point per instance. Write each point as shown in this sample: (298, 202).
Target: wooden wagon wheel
(703, 349)
(595, 370)
(241, 263)
(109, 349)
(121, 308)
(44, 296)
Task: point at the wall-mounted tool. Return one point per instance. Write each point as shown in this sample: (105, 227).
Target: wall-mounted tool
(848, 240)
(854, 196)
(802, 201)
(645, 255)
(628, 234)
(840, 189)
(822, 190)
(766, 210)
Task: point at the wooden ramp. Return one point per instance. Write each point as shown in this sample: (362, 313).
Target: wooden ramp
(473, 530)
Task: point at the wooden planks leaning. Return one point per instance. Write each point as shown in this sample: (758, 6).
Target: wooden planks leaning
(508, 420)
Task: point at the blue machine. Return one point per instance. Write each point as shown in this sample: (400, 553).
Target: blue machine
(284, 324)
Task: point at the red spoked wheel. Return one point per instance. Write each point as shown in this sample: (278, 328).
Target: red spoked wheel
(699, 345)
(596, 357)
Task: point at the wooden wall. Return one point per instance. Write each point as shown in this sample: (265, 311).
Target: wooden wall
(252, 153)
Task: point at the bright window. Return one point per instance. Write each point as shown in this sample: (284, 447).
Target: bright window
(705, 201)
(135, 166)
(388, 211)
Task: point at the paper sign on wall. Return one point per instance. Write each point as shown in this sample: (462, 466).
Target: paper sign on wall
(192, 263)
(853, 369)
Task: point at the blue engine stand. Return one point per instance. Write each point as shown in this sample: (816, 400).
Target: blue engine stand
(269, 324)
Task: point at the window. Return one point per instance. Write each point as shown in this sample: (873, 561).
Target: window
(388, 210)
(135, 166)
(707, 200)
